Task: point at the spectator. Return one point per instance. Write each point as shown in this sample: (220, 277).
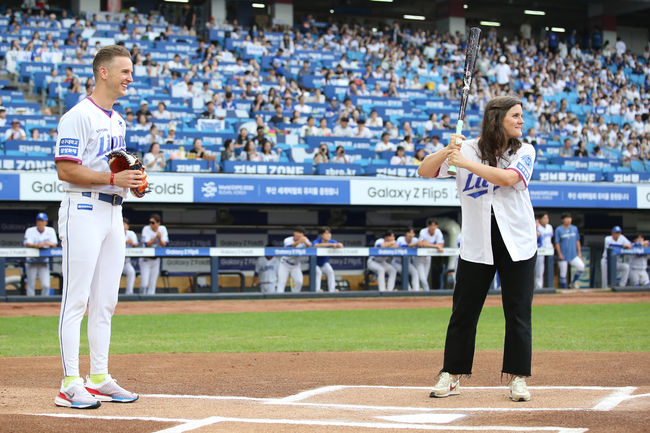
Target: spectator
(3, 116)
(142, 123)
(241, 139)
(15, 132)
(322, 156)
(408, 240)
(432, 123)
(171, 134)
(420, 154)
(228, 153)
(154, 235)
(128, 270)
(379, 264)
(581, 151)
(400, 158)
(323, 130)
(340, 157)
(324, 240)
(249, 153)
(567, 246)
(407, 143)
(639, 263)
(266, 273)
(144, 109)
(343, 129)
(385, 144)
(209, 112)
(362, 131)
(616, 239)
(291, 265)
(42, 237)
(566, 150)
(161, 112)
(391, 129)
(154, 134)
(310, 128)
(268, 153)
(154, 159)
(278, 118)
(375, 120)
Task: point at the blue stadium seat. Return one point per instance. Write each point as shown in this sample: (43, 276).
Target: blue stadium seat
(637, 166)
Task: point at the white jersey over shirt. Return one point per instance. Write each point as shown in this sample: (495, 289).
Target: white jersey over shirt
(33, 236)
(610, 242)
(546, 233)
(512, 207)
(435, 238)
(86, 133)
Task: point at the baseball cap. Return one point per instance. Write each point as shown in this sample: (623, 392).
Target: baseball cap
(617, 229)
(41, 216)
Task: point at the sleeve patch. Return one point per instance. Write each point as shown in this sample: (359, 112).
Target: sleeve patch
(69, 147)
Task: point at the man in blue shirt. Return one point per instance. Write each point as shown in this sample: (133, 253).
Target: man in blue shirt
(567, 246)
(325, 240)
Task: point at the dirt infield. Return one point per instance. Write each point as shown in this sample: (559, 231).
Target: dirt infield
(333, 391)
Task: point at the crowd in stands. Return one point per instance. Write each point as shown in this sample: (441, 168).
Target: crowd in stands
(332, 94)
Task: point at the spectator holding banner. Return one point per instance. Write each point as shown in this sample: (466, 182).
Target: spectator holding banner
(291, 265)
(40, 236)
(567, 246)
(324, 240)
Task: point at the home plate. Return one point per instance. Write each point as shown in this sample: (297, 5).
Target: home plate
(424, 418)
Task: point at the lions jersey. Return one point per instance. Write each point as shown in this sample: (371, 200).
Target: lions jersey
(86, 133)
(546, 236)
(567, 237)
(512, 207)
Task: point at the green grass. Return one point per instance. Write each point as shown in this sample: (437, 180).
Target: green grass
(611, 327)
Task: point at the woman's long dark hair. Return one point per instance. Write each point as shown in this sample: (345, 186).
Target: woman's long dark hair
(493, 143)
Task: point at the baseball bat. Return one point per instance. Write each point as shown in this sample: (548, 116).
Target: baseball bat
(470, 61)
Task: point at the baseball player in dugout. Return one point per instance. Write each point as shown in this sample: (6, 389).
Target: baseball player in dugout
(292, 265)
(91, 229)
(131, 241)
(154, 235)
(498, 231)
(39, 236)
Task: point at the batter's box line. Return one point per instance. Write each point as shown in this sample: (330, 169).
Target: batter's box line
(189, 425)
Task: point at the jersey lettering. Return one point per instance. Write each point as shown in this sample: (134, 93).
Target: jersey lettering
(479, 186)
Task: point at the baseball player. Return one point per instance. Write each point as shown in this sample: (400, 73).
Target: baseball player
(92, 238)
(323, 266)
(291, 265)
(567, 246)
(429, 237)
(408, 240)
(40, 236)
(616, 239)
(379, 264)
(498, 232)
(266, 273)
(545, 240)
(153, 235)
(639, 264)
(128, 270)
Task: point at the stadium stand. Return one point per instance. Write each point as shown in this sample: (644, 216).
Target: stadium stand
(215, 84)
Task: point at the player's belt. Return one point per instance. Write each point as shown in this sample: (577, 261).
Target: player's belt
(113, 199)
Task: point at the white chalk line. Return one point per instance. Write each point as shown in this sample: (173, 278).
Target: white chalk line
(614, 399)
(112, 417)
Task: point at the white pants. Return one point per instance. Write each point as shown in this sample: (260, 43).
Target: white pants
(284, 270)
(381, 269)
(539, 271)
(413, 273)
(129, 272)
(92, 242)
(576, 263)
(329, 273)
(423, 266)
(268, 287)
(639, 276)
(42, 271)
(622, 267)
(149, 270)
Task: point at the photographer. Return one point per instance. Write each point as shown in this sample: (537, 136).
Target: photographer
(322, 156)
(341, 157)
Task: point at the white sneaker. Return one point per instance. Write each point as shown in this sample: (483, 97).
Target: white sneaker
(447, 385)
(575, 285)
(518, 389)
(109, 390)
(76, 396)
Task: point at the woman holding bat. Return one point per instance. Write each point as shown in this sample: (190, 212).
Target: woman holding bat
(497, 215)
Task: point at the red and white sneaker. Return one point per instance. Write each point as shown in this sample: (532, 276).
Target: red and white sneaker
(109, 390)
(76, 396)
(447, 385)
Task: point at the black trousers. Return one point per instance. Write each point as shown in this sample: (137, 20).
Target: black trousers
(472, 284)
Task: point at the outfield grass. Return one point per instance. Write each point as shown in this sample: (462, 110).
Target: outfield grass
(610, 327)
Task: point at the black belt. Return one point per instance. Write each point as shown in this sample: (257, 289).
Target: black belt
(113, 199)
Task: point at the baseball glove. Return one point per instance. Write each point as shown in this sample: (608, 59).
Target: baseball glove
(120, 160)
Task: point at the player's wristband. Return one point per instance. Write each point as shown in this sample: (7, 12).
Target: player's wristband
(112, 178)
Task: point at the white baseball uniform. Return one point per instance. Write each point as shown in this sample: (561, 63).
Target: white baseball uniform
(290, 265)
(380, 266)
(92, 234)
(413, 271)
(621, 266)
(266, 270)
(150, 266)
(639, 270)
(129, 270)
(546, 234)
(423, 264)
(38, 266)
(323, 266)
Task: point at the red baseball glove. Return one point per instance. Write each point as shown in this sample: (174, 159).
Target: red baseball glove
(120, 160)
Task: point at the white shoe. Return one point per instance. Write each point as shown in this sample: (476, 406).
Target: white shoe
(518, 389)
(447, 385)
(575, 285)
(76, 396)
(109, 390)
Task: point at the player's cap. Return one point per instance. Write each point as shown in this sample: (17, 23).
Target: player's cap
(617, 229)
(41, 216)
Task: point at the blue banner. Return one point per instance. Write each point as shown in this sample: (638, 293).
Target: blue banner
(582, 196)
(29, 163)
(271, 190)
(567, 176)
(393, 170)
(339, 169)
(284, 168)
(9, 186)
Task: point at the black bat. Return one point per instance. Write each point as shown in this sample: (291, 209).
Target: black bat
(470, 61)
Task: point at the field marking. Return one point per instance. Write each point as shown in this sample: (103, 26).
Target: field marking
(192, 425)
(424, 418)
(112, 417)
(614, 399)
(204, 397)
(310, 393)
